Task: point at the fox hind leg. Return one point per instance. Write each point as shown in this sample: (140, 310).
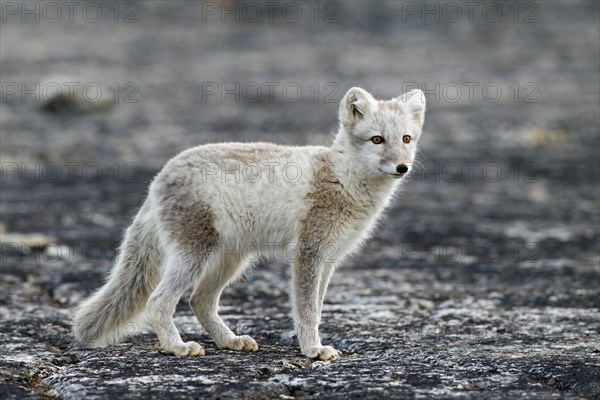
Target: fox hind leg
(178, 274)
(205, 302)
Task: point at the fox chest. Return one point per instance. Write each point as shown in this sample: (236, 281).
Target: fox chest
(338, 221)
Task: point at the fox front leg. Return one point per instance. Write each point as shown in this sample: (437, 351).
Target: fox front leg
(307, 277)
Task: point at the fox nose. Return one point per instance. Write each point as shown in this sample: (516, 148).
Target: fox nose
(402, 168)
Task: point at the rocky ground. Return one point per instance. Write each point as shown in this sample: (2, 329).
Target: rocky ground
(482, 282)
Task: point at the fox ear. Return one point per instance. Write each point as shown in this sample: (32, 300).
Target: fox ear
(355, 105)
(414, 101)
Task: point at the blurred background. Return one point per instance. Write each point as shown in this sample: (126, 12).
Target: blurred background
(497, 233)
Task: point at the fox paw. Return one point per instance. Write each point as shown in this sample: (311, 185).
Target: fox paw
(241, 343)
(324, 353)
(187, 349)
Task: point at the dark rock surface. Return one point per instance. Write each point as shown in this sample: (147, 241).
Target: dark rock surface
(476, 285)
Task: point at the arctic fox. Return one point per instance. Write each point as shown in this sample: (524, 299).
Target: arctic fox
(214, 207)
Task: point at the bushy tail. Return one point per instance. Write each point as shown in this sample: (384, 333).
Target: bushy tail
(101, 320)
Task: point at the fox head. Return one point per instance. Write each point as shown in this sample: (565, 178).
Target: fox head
(382, 135)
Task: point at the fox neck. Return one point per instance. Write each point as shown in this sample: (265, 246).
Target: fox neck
(358, 181)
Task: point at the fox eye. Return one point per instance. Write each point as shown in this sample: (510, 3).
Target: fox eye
(406, 139)
(377, 139)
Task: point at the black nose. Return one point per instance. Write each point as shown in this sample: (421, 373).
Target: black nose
(402, 168)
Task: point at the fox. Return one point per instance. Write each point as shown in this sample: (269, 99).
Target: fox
(214, 208)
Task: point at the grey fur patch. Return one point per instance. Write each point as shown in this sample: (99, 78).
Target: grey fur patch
(190, 221)
(331, 210)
